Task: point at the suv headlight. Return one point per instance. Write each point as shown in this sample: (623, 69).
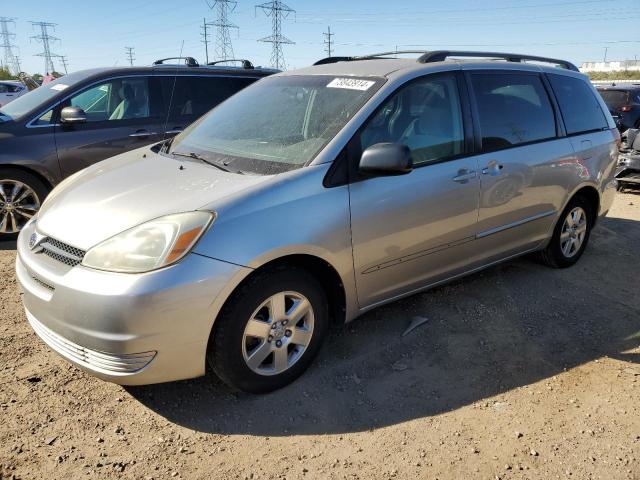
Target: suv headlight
(152, 245)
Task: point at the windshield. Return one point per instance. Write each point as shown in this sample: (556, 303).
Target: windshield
(39, 97)
(277, 124)
(614, 98)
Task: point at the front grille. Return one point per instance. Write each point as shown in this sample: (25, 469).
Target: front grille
(92, 359)
(62, 252)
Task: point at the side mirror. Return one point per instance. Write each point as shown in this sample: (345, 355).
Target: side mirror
(71, 115)
(386, 159)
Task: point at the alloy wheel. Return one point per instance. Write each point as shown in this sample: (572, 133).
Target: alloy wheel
(18, 203)
(278, 333)
(573, 232)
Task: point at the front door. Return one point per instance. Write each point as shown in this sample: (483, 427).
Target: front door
(414, 229)
(121, 116)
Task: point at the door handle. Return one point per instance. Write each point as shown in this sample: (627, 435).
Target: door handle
(493, 168)
(142, 134)
(465, 175)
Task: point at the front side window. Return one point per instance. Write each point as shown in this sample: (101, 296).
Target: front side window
(4, 88)
(513, 109)
(580, 108)
(277, 124)
(425, 115)
(118, 99)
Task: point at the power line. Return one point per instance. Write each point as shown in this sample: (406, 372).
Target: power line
(46, 39)
(9, 57)
(277, 11)
(327, 40)
(224, 47)
(65, 63)
(129, 52)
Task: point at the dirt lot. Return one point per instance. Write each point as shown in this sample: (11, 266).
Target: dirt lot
(520, 372)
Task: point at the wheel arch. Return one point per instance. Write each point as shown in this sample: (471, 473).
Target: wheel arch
(48, 182)
(591, 194)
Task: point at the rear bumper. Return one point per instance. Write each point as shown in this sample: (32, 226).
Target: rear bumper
(127, 329)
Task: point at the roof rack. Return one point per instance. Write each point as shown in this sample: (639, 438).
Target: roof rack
(442, 55)
(188, 61)
(246, 64)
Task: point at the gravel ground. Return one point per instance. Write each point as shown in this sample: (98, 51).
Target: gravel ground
(520, 372)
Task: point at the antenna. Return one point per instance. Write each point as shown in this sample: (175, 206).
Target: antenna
(327, 41)
(10, 60)
(129, 52)
(224, 48)
(173, 89)
(277, 10)
(46, 39)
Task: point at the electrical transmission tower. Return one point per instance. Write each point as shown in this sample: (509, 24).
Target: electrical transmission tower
(224, 47)
(10, 60)
(277, 11)
(46, 39)
(65, 63)
(327, 41)
(130, 55)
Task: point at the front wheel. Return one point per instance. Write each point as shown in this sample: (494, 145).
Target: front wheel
(20, 197)
(570, 236)
(269, 331)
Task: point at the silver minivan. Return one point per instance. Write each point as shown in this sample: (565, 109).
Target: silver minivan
(308, 199)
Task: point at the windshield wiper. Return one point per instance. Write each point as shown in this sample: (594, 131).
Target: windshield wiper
(195, 156)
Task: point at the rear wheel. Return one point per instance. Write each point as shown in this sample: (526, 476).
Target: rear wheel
(269, 331)
(570, 236)
(21, 195)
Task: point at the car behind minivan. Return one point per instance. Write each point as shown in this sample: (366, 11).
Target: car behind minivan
(87, 116)
(307, 199)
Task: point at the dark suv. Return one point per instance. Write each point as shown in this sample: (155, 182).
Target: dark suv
(88, 116)
(623, 102)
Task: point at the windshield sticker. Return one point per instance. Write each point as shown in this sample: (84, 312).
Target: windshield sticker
(59, 87)
(350, 83)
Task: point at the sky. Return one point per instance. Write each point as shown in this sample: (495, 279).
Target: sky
(94, 34)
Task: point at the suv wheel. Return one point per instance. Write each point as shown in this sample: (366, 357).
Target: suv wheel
(269, 331)
(570, 236)
(21, 194)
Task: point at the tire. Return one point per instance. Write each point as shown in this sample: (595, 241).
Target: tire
(251, 310)
(554, 255)
(35, 192)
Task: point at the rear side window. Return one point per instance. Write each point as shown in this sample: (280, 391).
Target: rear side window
(513, 109)
(195, 96)
(580, 108)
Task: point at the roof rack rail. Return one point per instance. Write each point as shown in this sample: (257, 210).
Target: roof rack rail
(188, 61)
(441, 55)
(246, 64)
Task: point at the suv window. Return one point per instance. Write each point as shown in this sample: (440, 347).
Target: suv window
(194, 96)
(615, 99)
(513, 109)
(117, 99)
(579, 106)
(425, 115)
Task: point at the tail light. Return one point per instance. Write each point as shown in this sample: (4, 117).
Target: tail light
(616, 136)
(625, 108)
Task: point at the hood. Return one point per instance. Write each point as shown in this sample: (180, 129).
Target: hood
(124, 191)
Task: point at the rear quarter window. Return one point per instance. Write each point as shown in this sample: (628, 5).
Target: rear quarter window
(580, 108)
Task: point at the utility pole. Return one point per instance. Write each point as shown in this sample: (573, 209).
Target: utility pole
(605, 54)
(65, 63)
(7, 46)
(46, 39)
(18, 68)
(130, 55)
(205, 35)
(224, 47)
(277, 10)
(327, 40)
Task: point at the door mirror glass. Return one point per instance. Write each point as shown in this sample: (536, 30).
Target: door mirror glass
(386, 159)
(73, 115)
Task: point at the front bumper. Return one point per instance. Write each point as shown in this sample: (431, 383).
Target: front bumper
(131, 329)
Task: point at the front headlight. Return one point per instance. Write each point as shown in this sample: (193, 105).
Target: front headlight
(152, 245)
